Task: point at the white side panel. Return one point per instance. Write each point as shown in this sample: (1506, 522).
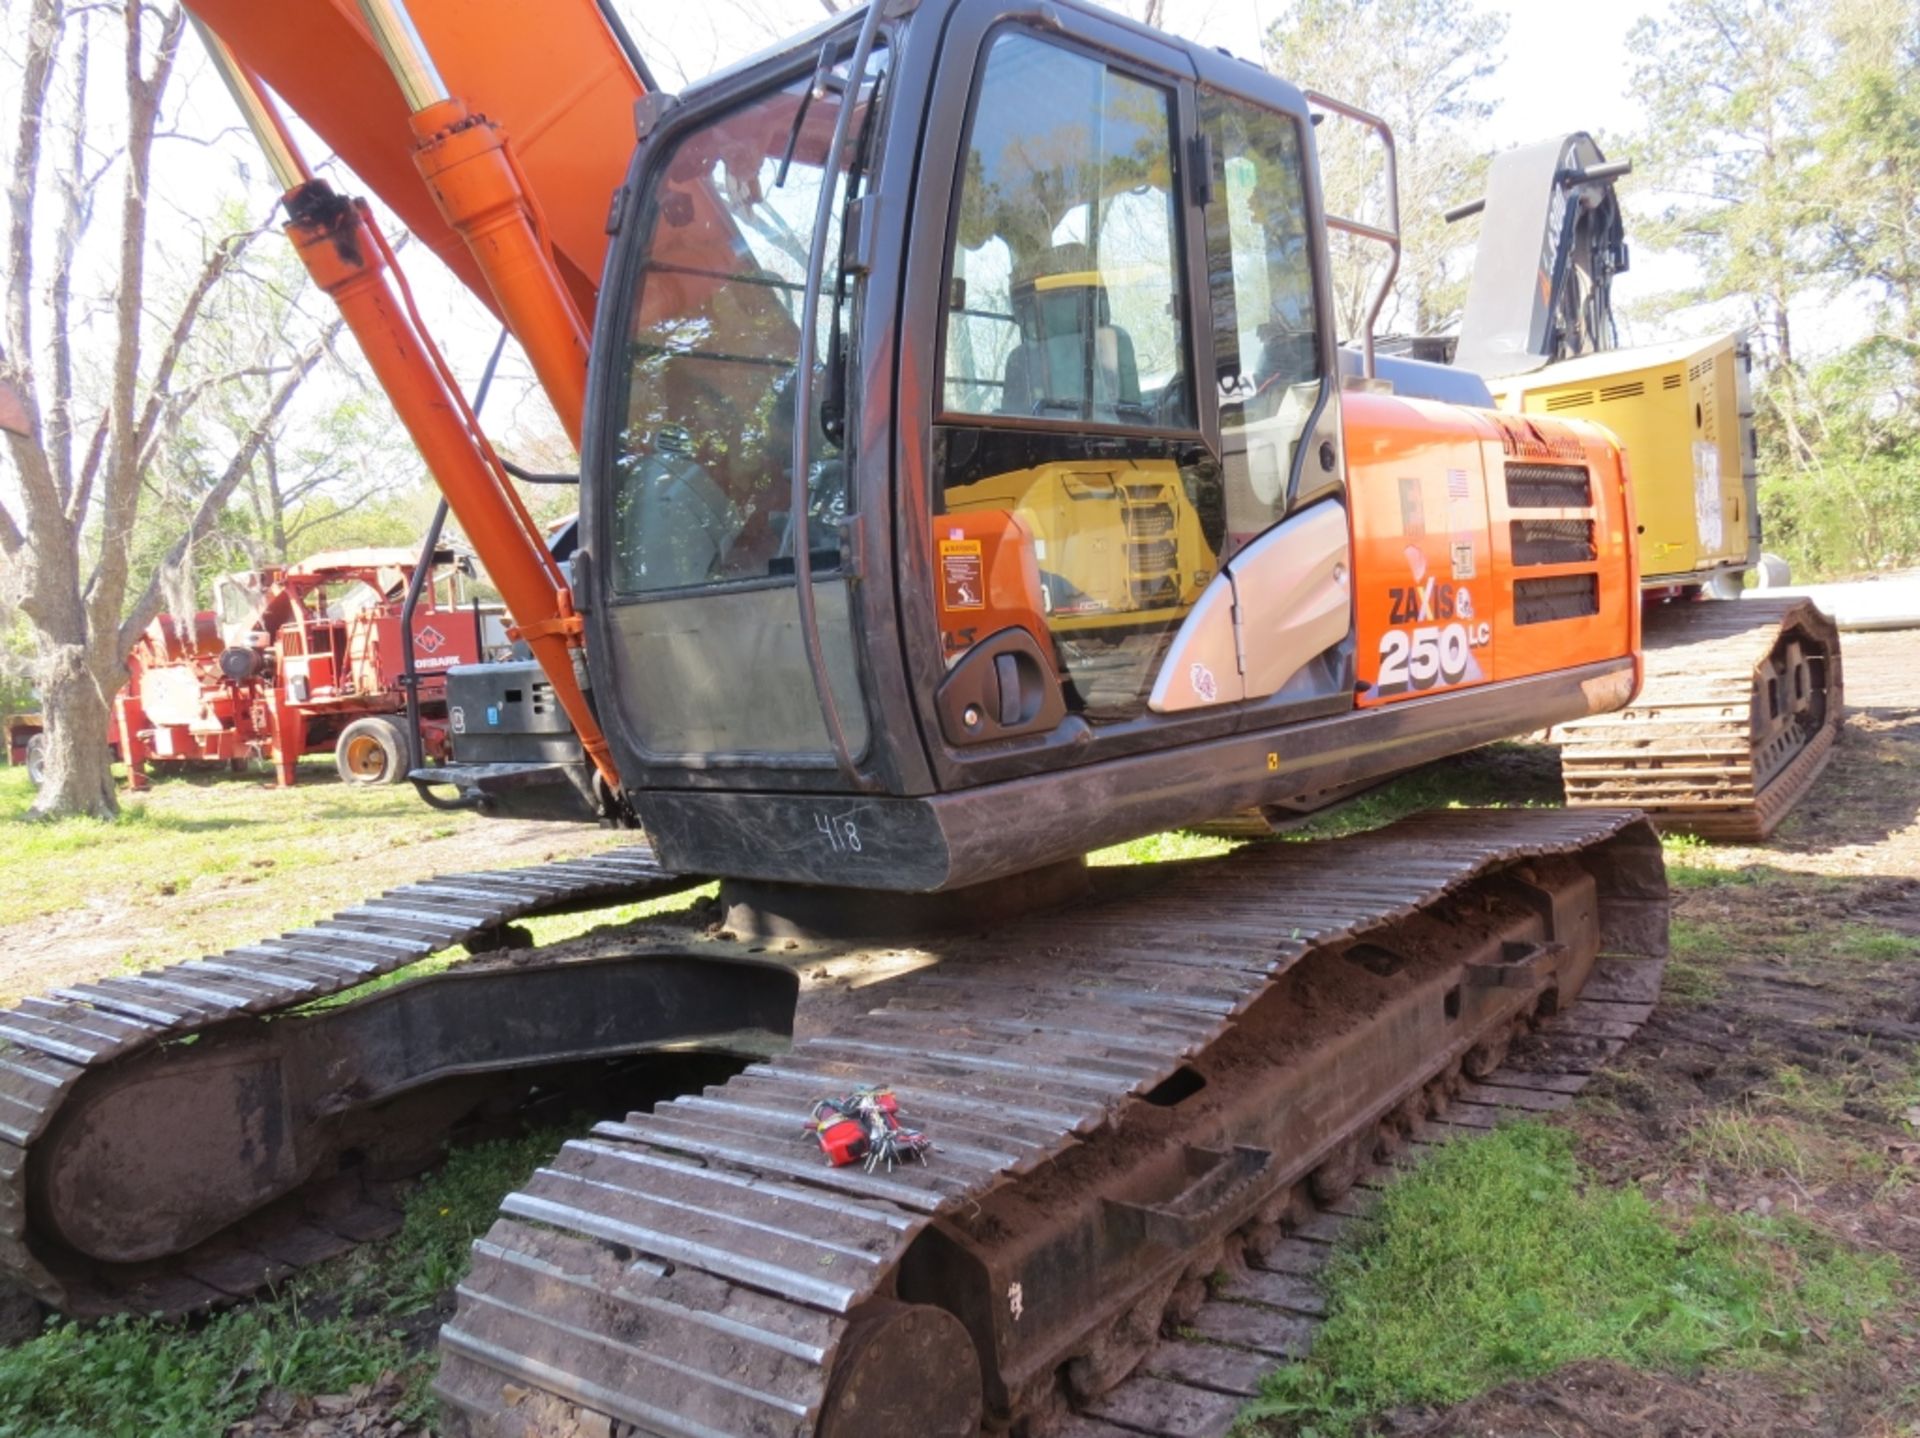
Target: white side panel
(1293, 588)
(1289, 592)
(1202, 666)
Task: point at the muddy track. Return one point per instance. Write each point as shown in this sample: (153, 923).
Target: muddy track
(1125, 1097)
(1257, 1307)
(1741, 706)
(84, 1148)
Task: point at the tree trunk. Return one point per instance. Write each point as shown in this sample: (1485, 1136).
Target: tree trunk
(79, 777)
(276, 505)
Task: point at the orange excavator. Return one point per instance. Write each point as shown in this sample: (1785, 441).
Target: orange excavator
(968, 481)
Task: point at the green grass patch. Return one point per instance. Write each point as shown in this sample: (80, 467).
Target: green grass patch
(1497, 1261)
(1696, 952)
(1878, 946)
(1482, 779)
(1165, 848)
(186, 831)
(338, 1325)
(1693, 863)
(211, 860)
(1767, 1144)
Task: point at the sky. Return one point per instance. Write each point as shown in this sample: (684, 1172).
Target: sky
(1539, 94)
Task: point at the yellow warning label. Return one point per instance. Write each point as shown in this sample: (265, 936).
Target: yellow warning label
(962, 575)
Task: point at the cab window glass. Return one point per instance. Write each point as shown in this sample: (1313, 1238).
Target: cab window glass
(1076, 501)
(1064, 302)
(1266, 333)
(701, 475)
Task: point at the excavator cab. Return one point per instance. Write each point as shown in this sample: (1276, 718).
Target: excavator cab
(960, 393)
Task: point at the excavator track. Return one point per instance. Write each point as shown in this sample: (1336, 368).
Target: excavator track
(1259, 1309)
(175, 1139)
(1122, 1096)
(1741, 706)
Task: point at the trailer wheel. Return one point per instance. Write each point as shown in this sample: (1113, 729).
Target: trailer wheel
(37, 760)
(371, 751)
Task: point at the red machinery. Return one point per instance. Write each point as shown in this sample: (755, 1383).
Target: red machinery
(303, 659)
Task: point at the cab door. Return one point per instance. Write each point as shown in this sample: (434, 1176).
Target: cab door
(1128, 370)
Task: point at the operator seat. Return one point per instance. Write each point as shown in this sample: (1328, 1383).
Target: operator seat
(1067, 336)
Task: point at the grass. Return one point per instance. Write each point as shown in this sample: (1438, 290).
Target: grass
(1165, 848)
(214, 860)
(1697, 950)
(1800, 1124)
(1484, 778)
(186, 831)
(1763, 1144)
(341, 1324)
(1496, 1261)
(1693, 863)
(1876, 946)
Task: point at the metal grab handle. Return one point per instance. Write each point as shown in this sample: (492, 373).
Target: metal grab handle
(1191, 1215)
(1520, 966)
(1389, 236)
(797, 517)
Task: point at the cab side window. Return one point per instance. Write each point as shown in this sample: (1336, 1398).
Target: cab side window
(1266, 343)
(1064, 298)
(1072, 500)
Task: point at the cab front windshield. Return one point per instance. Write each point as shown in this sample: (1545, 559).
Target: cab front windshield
(702, 480)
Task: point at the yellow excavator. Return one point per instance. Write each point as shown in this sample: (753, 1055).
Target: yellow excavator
(968, 481)
(1743, 698)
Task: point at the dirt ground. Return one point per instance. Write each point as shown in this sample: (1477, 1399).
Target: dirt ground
(1778, 1076)
(96, 939)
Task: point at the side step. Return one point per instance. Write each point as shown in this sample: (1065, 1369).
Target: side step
(1742, 704)
(1114, 1092)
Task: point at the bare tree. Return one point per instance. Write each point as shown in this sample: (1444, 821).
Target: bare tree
(97, 412)
(1423, 65)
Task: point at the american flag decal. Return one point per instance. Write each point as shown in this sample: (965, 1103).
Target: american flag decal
(1457, 485)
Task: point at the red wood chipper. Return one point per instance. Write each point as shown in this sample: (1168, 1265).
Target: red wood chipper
(303, 659)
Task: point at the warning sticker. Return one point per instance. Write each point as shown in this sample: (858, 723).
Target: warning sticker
(962, 575)
(1706, 494)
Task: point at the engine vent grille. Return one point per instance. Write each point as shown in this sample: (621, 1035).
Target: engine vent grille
(1670, 381)
(1155, 593)
(1152, 554)
(1549, 486)
(1567, 596)
(1572, 399)
(1147, 521)
(1552, 541)
(1631, 390)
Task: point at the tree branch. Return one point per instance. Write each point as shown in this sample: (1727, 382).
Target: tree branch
(147, 606)
(76, 211)
(43, 38)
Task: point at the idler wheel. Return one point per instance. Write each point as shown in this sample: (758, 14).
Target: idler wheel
(904, 1368)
